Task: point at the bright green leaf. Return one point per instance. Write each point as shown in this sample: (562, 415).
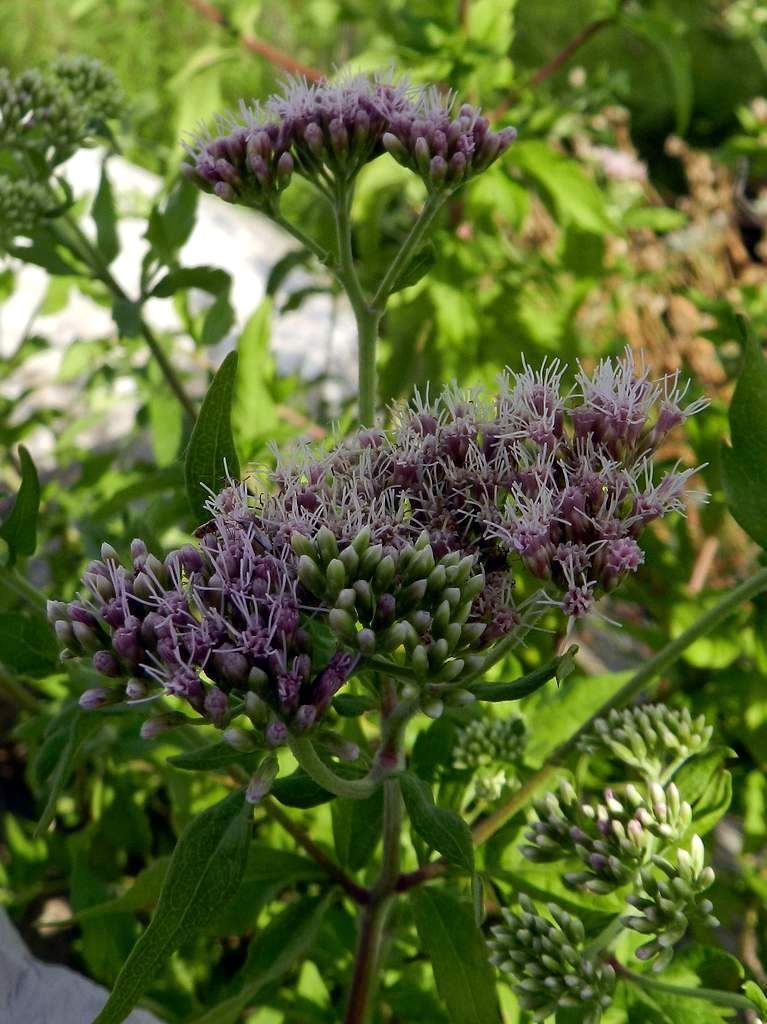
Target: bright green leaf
(445, 831)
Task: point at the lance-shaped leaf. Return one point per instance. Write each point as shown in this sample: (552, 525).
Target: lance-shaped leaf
(19, 530)
(443, 830)
(104, 216)
(62, 744)
(205, 871)
(211, 457)
(453, 944)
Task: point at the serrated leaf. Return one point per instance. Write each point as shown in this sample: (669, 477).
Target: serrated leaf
(27, 644)
(19, 530)
(744, 464)
(357, 829)
(458, 955)
(211, 457)
(443, 830)
(207, 279)
(283, 944)
(105, 217)
(205, 871)
(73, 728)
(213, 757)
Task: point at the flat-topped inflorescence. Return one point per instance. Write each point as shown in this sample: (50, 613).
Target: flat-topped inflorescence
(401, 544)
(328, 130)
(544, 959)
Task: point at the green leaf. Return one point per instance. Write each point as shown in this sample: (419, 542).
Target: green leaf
(521, 687)
(19, 530)
(445, 831)
(71, 729)
(169, 228)
(105, 217)
(218, 320)
(744, 465)
(145, 891)
(575, 197)
(253, 405)
(752, 991)
(352, 705)
(357, 829)
(127, 316)
(417, 267)
(265, 864)
(42, 253)
(657, 218)
(458, 955)
(211, 457)
(282, 945)
(214, 757)
(695, 775)
(300, 791)
(27, 644)
(208, 279)
(205, 871)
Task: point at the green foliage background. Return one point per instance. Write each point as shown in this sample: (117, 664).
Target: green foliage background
(546, 255)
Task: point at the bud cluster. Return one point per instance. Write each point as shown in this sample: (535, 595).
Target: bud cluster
(612, 839)
(652, 739)
(492, 748)
(54, 111)
(546, 963)
(23, 205)
(667, 905)
(382, 597)
(445, 150)
(326, 131)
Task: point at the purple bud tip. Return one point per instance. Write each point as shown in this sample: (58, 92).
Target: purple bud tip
(98, 697)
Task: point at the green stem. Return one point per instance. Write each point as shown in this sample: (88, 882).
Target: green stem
(366, 315)
(409, 248)
(370, 947)
(78, 242)
(16, 692)
(357, 789)
(605, 937)
(709, 995)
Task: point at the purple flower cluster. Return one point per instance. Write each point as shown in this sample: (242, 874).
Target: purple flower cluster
(399, 543)
(561, 483)
(445, 150)
(327, 131)
(219, 626)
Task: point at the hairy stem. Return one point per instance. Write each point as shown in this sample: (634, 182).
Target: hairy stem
(709, 995)
(409, 248)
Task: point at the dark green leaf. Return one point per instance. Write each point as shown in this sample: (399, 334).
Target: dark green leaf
(127, 317)
(73, 727)
(42, 253)
(27, 644)
(744, 465)
(265, 864)
(144, 892)
(208, 279)
(170, 227)
(282, 945)
(205, 871)
(218, 320)
(416, 268)
(214, 757)
(445, 831)
(211, 457)
(521, 687)
(351, 705)
(357, 829)
(19, 530)
(281, 269)
(666, 35)
(458, 955)
(105, 217)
